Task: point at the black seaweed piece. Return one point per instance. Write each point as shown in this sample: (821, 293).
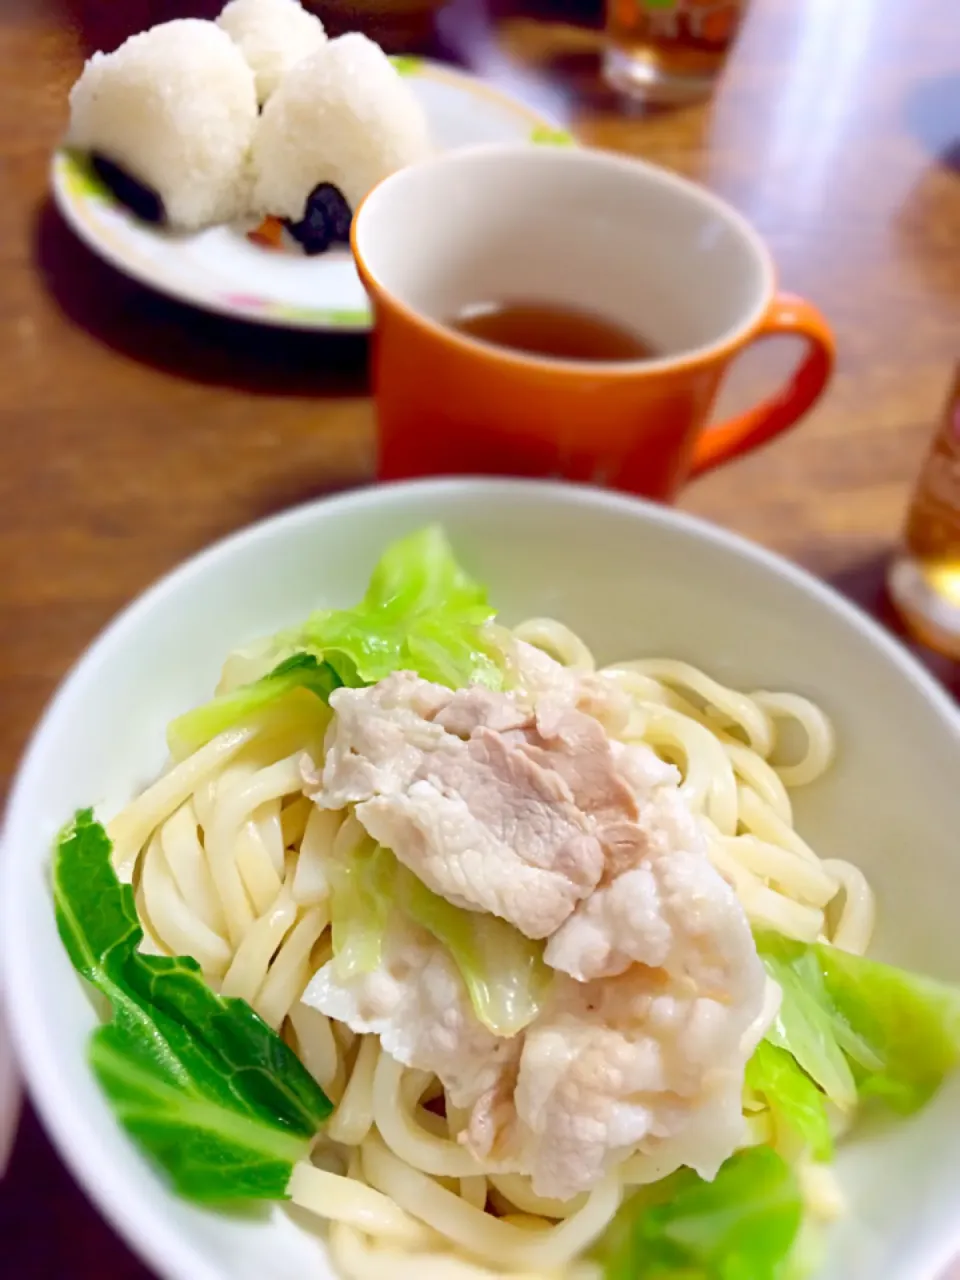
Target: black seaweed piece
(142, 201)
(326, 220)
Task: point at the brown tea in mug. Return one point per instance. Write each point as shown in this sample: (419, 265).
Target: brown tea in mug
(551, 329)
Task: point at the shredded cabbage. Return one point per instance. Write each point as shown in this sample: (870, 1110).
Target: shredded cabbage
(742, 1226)
(421, 613)
(195, 728)
(807, 1025)
(503, 971)
(860, 1028)
(910, 1024)
(200, 1082)
(798, 1107)
(361, 896)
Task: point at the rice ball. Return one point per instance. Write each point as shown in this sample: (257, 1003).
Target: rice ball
(342, 116)
(272, 35)
(175, 107)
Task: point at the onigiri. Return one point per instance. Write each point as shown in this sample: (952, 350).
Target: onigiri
(342, 116)
(272, 35)
(175, 108)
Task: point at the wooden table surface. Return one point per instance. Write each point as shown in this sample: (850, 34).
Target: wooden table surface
(134, 431)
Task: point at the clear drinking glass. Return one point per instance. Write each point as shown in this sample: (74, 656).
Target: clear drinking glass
(669, 50)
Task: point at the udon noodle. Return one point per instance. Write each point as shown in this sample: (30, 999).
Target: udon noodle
(226, 854)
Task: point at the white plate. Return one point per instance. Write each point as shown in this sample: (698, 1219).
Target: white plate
(220, 270)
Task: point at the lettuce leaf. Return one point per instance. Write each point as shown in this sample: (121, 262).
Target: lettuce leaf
(807, 1025)
(860, 1028)
(741, 1226)
(809, 1252)
(201, 1083)
(193, 730)
(504, 972)
(910, 1023)
(361, 897)
(421, 613)
(798, 1106)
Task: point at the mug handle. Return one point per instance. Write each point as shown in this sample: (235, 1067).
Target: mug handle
(785, 314)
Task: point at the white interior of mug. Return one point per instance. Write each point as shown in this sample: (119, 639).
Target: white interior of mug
(649, 251)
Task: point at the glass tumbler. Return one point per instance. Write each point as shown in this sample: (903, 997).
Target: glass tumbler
(669, 50)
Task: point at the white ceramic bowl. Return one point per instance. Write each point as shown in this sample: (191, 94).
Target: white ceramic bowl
(633, 579)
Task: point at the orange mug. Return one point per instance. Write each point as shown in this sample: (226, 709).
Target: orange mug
(569, 227)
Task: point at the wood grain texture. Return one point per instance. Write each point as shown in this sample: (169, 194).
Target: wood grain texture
(135, 431)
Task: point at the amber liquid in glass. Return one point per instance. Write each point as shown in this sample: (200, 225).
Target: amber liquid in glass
(924, 578)
(669, 48)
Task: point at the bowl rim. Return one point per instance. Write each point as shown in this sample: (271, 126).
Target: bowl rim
(141, 1224)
